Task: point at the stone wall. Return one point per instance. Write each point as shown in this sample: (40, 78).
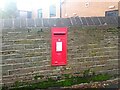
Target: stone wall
(27, 53)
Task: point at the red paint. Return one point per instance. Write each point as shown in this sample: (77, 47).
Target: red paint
(59, 46)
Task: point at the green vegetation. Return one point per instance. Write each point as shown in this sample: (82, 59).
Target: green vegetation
(64, 81)
(113, 30)
(38, 77)
(100, 77)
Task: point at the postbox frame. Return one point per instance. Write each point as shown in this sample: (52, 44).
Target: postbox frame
(59, 36)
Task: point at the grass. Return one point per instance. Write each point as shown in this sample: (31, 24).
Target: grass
(67, 81)
(101, 77)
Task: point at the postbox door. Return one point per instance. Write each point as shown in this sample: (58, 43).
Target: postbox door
(59, 52)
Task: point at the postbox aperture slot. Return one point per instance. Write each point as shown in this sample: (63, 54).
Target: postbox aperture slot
(59, 33)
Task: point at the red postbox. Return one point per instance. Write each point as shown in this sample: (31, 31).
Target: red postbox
(59, 46)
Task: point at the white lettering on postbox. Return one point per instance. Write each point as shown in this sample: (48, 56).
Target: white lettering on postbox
(58, 46)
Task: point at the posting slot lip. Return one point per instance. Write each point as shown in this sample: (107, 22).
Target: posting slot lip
(59, 33)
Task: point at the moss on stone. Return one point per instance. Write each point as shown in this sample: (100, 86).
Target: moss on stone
(67, 81)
